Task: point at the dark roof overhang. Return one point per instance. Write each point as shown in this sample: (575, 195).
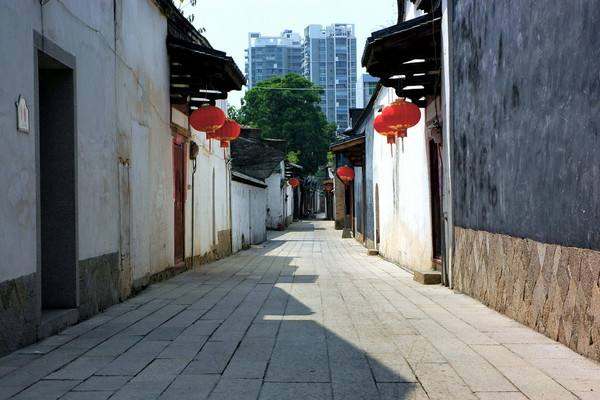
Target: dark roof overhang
(256, 157)
(178, 25)
(292, 169)
(200, 74)
(248, 180)
(352, 148)
(406, 56)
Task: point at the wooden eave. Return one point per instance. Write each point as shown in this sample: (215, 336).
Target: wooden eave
(347, 144)
(353, 149)
(200, 74)
(392, 55)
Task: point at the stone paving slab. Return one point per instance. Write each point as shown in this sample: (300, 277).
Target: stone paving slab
(190, 387)
(102, 384)
(307, 315)
(86, 396)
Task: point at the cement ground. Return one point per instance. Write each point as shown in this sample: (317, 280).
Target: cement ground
(308, 315)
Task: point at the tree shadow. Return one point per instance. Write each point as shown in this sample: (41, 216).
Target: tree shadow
(321, 353)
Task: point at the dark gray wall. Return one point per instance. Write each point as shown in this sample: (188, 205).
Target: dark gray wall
(526, 119)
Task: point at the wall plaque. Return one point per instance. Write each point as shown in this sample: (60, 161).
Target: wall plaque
(22, 115)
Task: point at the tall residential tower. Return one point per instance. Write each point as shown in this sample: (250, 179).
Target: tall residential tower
(369, 83)
(268, 56)
(330, 62)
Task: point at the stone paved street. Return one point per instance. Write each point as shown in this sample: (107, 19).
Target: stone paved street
(306, 316)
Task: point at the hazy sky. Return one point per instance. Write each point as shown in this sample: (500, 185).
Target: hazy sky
(227, 22)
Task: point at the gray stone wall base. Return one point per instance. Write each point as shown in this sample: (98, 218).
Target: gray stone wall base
(551, 288)
(219, 251)
(19, 313)
(98, 284)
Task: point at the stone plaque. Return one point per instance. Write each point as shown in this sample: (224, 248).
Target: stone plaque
(22, 115)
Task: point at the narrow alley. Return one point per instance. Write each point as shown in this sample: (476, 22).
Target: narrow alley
(306, 315)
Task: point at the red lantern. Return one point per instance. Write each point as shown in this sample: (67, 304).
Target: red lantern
(346, 174)
(401, 115)
(228, 132)
(384, 129)
(294, 182)
(207, 119)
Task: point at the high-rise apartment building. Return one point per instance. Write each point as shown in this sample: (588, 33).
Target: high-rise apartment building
(369, 83)
(268, 56)
(330, 62)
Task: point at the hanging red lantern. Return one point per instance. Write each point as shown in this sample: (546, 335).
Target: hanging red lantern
(207, 119)
(346, 174)
(401, 115)
(384, 129)
(294, 182)
(228, 132)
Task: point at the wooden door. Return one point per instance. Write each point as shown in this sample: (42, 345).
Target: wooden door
(435, 184)
(179, 182)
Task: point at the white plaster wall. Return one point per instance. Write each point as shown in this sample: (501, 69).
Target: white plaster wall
(403, 181)
(18, 240)
(211, 197)
(410, 11)
(84, 29)
(289, 202)
(144, 133)
(249, 205)
(275, 199)
(258, 215)
(240, 223)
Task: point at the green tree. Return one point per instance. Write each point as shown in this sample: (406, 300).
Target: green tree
(234, 112)
(287, 107)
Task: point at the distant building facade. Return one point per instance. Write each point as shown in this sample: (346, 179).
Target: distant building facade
(330, 62)
(369, 83)
(269, 56)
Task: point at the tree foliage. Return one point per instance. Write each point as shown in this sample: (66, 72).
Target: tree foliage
(287, 107)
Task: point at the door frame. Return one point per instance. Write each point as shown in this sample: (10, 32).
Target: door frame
(178, 145)
(435, 191)
(42, 44)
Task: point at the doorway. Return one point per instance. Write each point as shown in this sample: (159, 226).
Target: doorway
(435, 185)
(179, 182)
(57, 185)
(377, 223)
(364, 203)
(329, 205)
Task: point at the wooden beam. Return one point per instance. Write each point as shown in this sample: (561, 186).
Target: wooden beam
(193, 92)
(388, 67)
(411, 81)
(347, 145)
